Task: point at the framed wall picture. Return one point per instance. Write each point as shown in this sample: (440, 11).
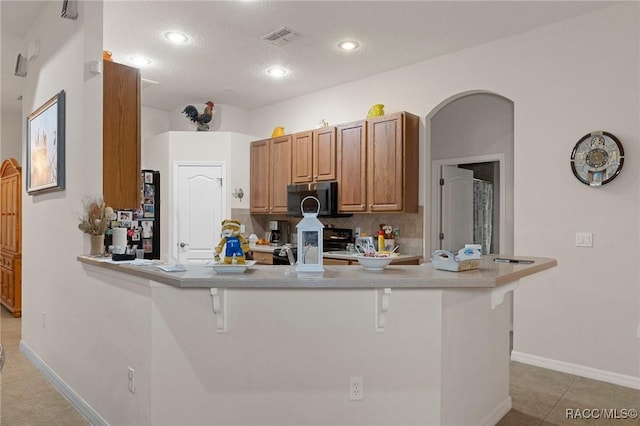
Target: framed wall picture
(45, 146)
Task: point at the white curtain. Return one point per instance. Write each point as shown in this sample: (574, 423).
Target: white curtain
(482, 214)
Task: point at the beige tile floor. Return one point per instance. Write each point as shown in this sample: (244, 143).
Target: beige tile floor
(540, 396)
(27, 398)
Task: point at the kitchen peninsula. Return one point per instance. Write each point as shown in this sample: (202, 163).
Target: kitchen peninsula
(273, 346)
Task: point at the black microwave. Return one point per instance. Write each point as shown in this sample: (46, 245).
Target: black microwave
(325, 192)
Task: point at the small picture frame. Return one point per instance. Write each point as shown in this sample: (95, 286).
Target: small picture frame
(45, 146)
(125, 216)
(149, 210)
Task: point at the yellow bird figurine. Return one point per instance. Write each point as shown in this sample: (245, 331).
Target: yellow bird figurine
(376, 111)
(278, 131)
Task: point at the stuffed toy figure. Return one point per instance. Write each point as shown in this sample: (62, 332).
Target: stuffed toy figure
(236, 244)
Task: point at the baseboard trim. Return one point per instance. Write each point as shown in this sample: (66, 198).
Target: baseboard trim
(578, 370)
(80, 404)
(497, 413)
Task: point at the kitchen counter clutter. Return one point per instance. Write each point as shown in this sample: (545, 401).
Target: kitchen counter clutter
(490, 274)
(347, 258)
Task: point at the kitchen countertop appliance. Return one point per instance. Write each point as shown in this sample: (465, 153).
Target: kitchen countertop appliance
(325, 192)
(336, 239)
(278, 232)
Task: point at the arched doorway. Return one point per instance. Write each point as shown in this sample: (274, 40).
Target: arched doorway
(472, 132)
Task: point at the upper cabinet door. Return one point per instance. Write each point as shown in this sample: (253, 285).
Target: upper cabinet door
(384, 163)
(324, 154)
(352, 171)
(260, 166)
(392, 163)
(121, 136)
(302, 157)
(280, 154)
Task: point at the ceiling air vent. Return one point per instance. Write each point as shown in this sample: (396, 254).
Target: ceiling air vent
(280, 36)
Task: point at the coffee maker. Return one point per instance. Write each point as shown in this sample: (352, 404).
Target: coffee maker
(278, 232)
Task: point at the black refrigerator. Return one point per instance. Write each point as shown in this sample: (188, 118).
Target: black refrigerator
(142, 224)
(149, 222)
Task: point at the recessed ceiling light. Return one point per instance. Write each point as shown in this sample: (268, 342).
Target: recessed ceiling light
(176, 37)
(139, 60)
(276, 71)
(348, 45)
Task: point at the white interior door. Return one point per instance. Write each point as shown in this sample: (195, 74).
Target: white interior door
(456, 215)
(200, 195)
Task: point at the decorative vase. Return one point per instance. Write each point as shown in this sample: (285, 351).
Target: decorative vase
(97, 245)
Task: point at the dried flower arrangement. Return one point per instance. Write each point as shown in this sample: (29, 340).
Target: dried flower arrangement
(97, 216)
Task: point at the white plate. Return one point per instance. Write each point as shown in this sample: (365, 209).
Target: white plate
(233, 268)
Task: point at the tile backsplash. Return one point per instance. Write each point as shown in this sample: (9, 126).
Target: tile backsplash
(410, 225)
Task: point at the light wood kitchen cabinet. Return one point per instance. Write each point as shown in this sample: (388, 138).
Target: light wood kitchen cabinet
(378, 165)
(121, 146)
(342, 262)
(354, 262)
(260, 166)
(352, 167)
(392, 163)
(11, 236)
(314, 155)
(270, 174)
(302, 157)
(263, 258)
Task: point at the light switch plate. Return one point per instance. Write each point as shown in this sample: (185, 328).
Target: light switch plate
(584, 239)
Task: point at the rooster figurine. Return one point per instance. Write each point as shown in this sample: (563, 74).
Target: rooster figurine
(202, 120)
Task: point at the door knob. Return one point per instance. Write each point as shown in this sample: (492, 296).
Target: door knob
(183, 245)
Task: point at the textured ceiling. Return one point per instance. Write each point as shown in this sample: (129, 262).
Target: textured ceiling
(225, 58)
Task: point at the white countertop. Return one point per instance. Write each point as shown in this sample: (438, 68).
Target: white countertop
(490, 274)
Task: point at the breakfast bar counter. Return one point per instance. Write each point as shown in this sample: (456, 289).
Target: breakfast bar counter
(407, 345)
(490, 274)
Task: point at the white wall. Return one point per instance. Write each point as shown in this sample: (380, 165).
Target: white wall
(153, 122)
(226, 118)
(11, 138)
(162, 151)
(77, 341)
(586, 311)
(11, 122)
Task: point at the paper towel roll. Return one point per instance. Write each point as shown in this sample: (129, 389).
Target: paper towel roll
(119, 240)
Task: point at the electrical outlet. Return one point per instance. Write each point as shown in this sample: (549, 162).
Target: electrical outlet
(243, 229)
(132, 379)
(44, 320)
(356, 391)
